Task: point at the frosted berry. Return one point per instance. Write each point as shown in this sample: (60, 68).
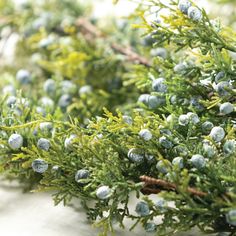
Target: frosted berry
(161, 167)
(207, 127)
(229, 147)
(193, 117)
(43, 144)
(208, 150)
(231, 217)
(46, 126)
(226, 108)
(47, 102)
(159, 85)
(69, 141)
(180, 68)
(142, 209)
(135, 155)
(81, 175)
(183, 120)
(145, 134)
(194, 13)
(68, 87)
(150, 227)
(165, 142)
(64, 101)
(39, 166)
(11, 101)
(159, 52)
(86, 89)
(179, 162)
(9, 90)
(103, 192)
(127, 119)
(154, 101)
(219, 76)
(15, 141)
(23, 76)
(49, 86)
(198, 161)
(217, 134)
(161, 205)
(184, 5)
(143, 98)
(223, 87)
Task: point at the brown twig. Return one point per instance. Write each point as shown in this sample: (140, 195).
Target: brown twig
(158, 183)
(92, 31)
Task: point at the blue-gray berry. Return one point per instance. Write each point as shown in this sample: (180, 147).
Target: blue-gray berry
(68, 87)
(15, 141)
(64, 101)
(219, 76)
(11, 100)
(127, 119)
(159, 85)
(136, 155)
(46, 42)
(184, 5)
(103, 192)
(46, 126)
(180, 68)
(207, 127)
(198, 161)
(223, 87)
(86, 89)
(226, 108)
(161, 205)
(81, 175)
(159, 52)
(208, 150)
(183, 120)
(69, 141)
(40, 110)
(150, 227)
(39, 166)
(231, 217)
(9, 90)
(179, 162)
(193, 117)
(43, 144)
(154, 101)
(145, 134)
(142, 209)
(49, 86)
(217, 134)
(161, 167)
(194, 13)
(165, 142)
(47, 102)
(23, 76)
(229, 147)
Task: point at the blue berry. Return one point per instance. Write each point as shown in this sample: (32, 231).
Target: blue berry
(49, 86)
(43, 144)
(135, 155)
(69, 141)
(180, 68)
(226, 108)
(207, 126)
(198, 161)
(103, 192)
(159, 85)
(194, 13)
(184, 5)
(9, 90)
(127, 119)
(166, 143)
(46, 126)
(150, 227)
(23, 76)
(223, 87)
(229, 147)
(154, 101)
(47, 102)
(15, 141)
(159, 52)
(11, 101)
(81, 175)
(161, 205)
(68, 87)
(219, 76)
(64, 101)
(193, 117)
(143, 98)
(179, 162)
(142, 209)
(39, 166)
(217, 134)
(183, 120)
(40, 110)
(145, 134)
(86, 89)
(208, 150)
(231, 217)
(161, 167)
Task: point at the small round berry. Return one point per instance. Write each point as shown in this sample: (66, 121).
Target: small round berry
(184, 5)
(161, 167)
(179, 162)
(15, 141)
(219, 76)
(161, 205)
(46, 126)
(183, 120)
(180, 68)
(64, 101)
(193, 117)
(194, 13)
(145, 134)
(23, 76)
(40, 110)
(103, 192)
(223, 87)
(49, 86)
(198, 161)
(142, 209)
(45, 42)
(150, 227)
(207, 127)
(39, 166)
(81, 175)
(11, 101)
(159, 85)
(43, 144)
(47, 102)
(86, 89)
(231, 217)
(143, 98)
(195, 102)
(229, 147)
(208, 150)
(226, 108)
(68, 87)
(217, 134)
(127, 119)
(135, 155)
(154, 101)
(69, 141)
(165, 142)
(9, 90)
